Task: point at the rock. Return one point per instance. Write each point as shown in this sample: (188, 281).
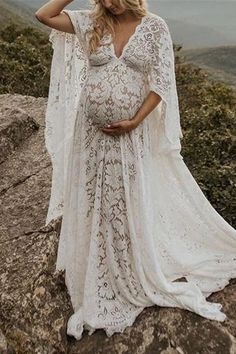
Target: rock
(35, 304)
(3, 343)
(15, 127)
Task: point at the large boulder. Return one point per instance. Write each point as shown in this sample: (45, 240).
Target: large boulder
(15, 127)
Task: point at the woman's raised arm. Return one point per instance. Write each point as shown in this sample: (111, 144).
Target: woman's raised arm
(50, 15)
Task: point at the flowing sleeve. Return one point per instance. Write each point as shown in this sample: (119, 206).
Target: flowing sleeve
(81, 22)
(68, 74)
(163, 82)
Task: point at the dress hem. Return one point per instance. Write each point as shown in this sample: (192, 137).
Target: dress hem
(77, 325)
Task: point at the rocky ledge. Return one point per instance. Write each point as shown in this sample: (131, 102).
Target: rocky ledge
(35, 304)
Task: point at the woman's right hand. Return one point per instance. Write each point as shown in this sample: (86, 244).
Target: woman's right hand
(52, 16)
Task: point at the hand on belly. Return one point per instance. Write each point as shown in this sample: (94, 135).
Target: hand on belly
(110, 103)
(120, 127)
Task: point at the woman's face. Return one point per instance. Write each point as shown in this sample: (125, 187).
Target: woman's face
(113, 6)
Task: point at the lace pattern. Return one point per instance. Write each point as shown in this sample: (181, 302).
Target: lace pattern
(134, 218)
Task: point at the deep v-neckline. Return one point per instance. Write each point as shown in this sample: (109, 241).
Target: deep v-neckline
(139, 25)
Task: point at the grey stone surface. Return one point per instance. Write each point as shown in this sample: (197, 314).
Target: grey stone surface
(34, 302)
(15, 127)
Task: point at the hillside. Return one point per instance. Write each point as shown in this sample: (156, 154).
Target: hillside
(219, 62)
(37, 3)
(27, 73)
(19, 14)
(191, 35)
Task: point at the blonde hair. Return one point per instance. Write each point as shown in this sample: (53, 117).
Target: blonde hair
(103, 19)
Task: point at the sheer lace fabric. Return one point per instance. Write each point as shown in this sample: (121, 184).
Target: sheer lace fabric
(134, 218)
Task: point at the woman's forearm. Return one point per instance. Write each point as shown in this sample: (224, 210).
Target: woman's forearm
(151, 101)
(51, 9)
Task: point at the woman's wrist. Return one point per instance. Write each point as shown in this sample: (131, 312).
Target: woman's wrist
(136, 120)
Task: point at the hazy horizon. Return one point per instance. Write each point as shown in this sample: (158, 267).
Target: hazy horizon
(193, 23)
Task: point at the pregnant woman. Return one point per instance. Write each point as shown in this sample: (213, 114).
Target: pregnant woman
(134, 220)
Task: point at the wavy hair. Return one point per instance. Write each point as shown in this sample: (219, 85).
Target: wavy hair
(104, 20)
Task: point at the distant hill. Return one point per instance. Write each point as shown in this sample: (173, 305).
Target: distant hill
(192, 36)
(19, 14)
(218, 61)
(35, 4)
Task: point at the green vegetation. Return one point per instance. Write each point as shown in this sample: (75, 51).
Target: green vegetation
(24, 61)
(208, 120)
(207, 110)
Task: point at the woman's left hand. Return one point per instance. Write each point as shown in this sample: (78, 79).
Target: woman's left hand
(120, 127)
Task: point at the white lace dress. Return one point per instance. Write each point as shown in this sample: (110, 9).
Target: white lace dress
(134, 220)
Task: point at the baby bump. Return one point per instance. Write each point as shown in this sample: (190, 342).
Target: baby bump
(112, 98)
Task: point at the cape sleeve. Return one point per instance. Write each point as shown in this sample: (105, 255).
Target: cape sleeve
(163, 82)
(67, 76)
(80, 21)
